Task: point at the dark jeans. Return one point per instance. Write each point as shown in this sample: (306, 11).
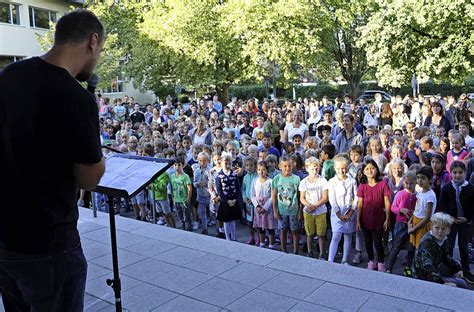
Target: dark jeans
(401, 239)
(463, 231)
(373, 238)
(44, 283)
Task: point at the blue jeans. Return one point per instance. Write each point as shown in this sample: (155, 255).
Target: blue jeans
(44, 283)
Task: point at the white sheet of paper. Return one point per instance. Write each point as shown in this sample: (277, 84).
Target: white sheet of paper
(128, 174)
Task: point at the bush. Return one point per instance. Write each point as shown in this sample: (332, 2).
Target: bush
(333, 91)
(246, 92)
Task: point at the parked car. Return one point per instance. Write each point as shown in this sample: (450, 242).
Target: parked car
(369, 95)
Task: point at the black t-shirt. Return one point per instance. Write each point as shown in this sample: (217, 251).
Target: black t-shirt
(48, 122)
(137, 117)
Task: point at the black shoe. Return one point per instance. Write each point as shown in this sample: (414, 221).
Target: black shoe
(310, 254)
(220, 235)
(204, 232)
(468, 277)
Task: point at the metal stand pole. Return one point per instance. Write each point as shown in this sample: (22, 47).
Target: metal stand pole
(115, 282)
(94, 203)
(153, 204)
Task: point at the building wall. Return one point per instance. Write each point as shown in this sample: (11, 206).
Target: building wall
(21, 40)
(128, 89)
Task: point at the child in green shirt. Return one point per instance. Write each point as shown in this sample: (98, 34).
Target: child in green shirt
(286, 206)
(181, 188)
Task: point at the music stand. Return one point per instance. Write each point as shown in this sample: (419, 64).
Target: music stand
(125, 176)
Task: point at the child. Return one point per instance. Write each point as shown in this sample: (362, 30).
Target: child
(193, 160)
(263, 218)
(433, 261)
(373, 212)
(327, 154)
(268, 146)
(444, 146)
(426, 144)
(298, 166)
(211, 186)
(289, 149)
(286, 207)
(186, 143)
(456, 200)
(181, 187)
(229, 197)
(458, 150)
(246, 140)
(403, 206)
(418, 224)
(314, 196)
(160, 191)
(272, 162)
(257, 132)
(342, 191)
(396, 151)
(355, 153)
(440, 176)
(394, 179)
(297, 141)
(375, 152)
(247, 186)
(200, 182)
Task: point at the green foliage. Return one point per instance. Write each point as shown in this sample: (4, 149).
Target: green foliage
(248, 91)
(433, 38)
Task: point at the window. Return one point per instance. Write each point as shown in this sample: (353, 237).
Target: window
(9, 13)
(6, 59)
(40, 18)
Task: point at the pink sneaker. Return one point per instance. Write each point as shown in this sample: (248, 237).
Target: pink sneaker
(381, 267)
(251, 241)
(371, 265)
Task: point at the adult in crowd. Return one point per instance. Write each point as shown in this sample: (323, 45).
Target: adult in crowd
(201, 134)
(42, 266)
(137, 115)
(273, 126)
(437, 118)
(295, 127)
(386, 114)
(348, 136)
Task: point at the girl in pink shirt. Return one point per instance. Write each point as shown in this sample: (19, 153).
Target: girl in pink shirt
(403, 206)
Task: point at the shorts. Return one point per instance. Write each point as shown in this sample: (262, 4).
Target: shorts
(289, 223)
(163, 206)
(138, 199)
(315, 225)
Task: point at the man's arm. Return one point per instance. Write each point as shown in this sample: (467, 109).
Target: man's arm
(88, 175)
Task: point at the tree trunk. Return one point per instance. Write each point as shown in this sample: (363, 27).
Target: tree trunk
(223, 93)
(353, 89)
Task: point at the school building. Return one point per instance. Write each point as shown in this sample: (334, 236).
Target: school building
(23, 21)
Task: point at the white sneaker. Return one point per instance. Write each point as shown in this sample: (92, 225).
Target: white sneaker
(160, 221)
(195, 225)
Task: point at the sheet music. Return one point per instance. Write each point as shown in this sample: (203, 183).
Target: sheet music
(128, 174)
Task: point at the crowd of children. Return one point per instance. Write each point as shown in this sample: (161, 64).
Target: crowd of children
(307, 170)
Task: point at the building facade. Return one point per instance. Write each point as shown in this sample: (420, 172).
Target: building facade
(23, 21)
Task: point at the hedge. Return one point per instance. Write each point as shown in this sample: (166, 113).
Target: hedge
(333, 91)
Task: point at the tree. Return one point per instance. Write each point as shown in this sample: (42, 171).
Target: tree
(432, 38)
(302, 36)
(340, 37)
(199, 41)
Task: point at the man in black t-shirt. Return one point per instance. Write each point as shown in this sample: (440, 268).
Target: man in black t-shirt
(137, 115)
(44, 160)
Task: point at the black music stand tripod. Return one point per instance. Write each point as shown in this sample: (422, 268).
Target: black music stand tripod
(125, 176)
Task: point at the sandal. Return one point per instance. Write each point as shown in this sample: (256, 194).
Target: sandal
(408, 272)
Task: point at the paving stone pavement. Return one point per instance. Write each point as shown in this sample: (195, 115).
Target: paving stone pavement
(164, 269)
